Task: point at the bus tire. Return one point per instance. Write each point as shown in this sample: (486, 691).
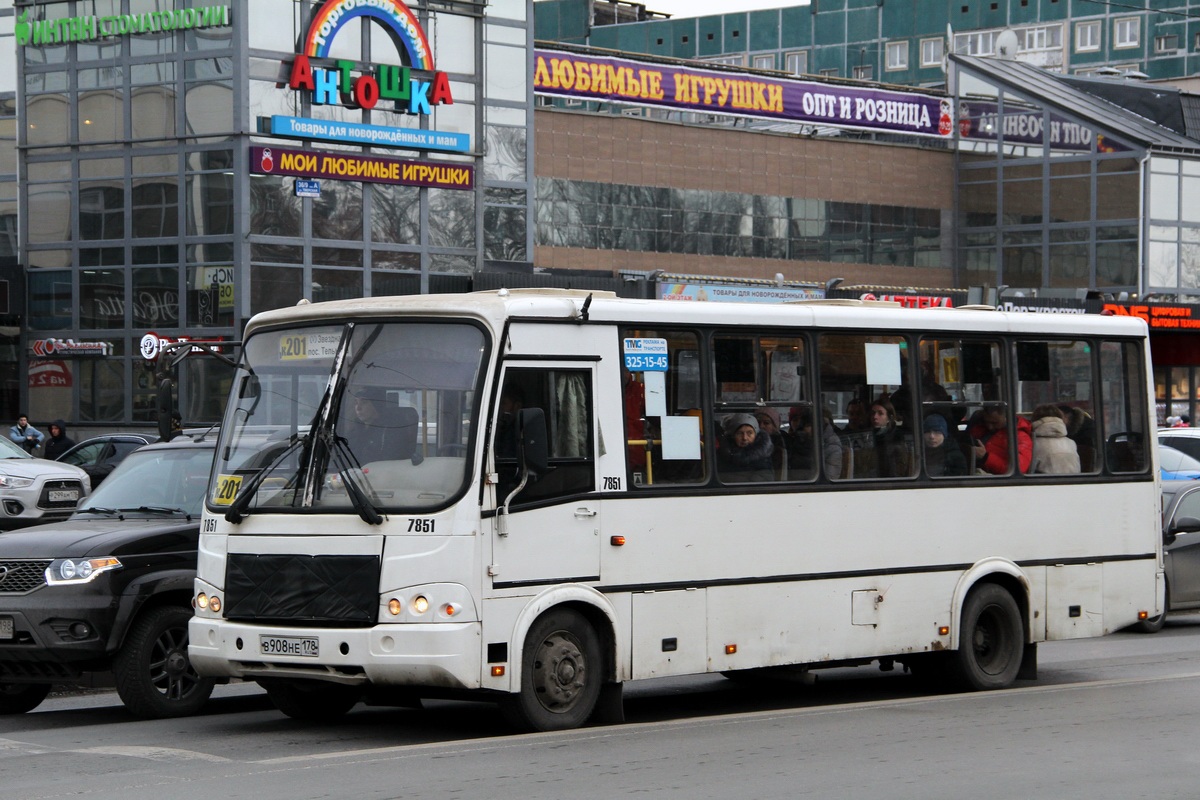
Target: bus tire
(154, 677)
(561, 674)
(312, 701)
(993, 640)
(17, 698)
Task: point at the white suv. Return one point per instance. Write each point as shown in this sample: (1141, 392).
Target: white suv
(1185, 439)
(34, 490)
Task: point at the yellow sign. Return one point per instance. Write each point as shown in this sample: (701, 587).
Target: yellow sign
(226, 489)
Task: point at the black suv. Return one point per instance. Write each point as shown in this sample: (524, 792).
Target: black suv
(109, 590)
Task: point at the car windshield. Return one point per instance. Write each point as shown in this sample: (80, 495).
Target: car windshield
(367, 416)
(10, 450)
(1174, 460)
(155, 479)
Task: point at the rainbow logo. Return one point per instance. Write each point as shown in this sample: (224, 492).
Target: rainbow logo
(401, 23)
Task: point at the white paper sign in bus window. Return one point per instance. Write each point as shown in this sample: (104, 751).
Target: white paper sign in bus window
(646, 355)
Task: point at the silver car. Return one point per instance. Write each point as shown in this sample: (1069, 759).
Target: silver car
(34, 490)
(1181, 549)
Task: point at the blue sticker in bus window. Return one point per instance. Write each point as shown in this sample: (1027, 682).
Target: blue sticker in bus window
(646, 355)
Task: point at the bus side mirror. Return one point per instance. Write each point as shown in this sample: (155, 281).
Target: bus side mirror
(531, 426)
(166, 407)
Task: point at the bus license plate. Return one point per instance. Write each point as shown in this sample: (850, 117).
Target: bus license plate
(7, 631)
(289, 646)
(64, 496)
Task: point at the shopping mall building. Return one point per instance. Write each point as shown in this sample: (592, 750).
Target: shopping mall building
(185, 164)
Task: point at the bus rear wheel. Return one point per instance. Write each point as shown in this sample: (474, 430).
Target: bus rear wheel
(312, 701)
(993, 640)
(561, 674)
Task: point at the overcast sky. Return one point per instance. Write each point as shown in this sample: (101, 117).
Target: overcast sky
(703, 8)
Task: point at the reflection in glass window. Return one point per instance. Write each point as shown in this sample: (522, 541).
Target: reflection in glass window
(451, 218)
(155, 298)
(51, 302)
(101, 211)
(274, 208)
(155, 209)
(338, 212)
(504, 233)
(395, 214)
(102, 386)
(274, 287)
(102, 298)
(506, 155)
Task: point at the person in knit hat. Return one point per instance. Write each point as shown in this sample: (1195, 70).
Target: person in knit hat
(57, 442)
(744, 452)
(942, 455)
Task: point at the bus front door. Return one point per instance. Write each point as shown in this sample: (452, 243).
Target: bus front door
(551, 530)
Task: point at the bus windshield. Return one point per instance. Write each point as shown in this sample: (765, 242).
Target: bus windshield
(372, 417)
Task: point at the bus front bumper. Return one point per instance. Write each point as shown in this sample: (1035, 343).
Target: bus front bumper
(442, 655)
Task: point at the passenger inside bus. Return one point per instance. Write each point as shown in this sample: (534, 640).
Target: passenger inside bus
(744, 454)
(1054, 452)
(801, 447)
(1081, 428)
(768, 423)
(889, 455)
(988, 430)
(943, 458)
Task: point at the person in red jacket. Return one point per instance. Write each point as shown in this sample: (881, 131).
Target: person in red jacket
(989, 436)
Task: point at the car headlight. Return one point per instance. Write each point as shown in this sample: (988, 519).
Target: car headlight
(9, 482)
(79, 570)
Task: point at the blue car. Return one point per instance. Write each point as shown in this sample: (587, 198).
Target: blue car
(1177, 465)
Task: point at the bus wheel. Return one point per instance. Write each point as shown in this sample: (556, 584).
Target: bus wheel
(561, 674)
(17, 698)
(313, 701)
(154, 677)
(993, 639)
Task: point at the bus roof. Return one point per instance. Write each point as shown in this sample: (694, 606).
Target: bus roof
(498, 306)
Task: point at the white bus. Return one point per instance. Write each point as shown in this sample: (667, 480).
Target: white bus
(536, 496)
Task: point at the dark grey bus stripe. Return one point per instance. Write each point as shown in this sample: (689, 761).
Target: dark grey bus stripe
(814, 576)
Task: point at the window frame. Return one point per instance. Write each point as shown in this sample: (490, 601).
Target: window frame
(941, 52)
(1094, 36)
(897, 55)
(1127, 33)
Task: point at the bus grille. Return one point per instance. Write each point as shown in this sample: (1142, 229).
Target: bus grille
(297, 589)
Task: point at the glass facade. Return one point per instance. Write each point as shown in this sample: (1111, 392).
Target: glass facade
(141, 212)
(650, 219)
(1046, 200)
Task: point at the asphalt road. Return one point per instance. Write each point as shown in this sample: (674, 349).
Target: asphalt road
(1107, 718)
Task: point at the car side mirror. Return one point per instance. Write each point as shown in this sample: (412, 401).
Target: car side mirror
(1183, 525)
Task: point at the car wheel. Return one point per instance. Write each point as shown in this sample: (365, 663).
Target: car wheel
(154, 677)
(313, 701)
(17, 698)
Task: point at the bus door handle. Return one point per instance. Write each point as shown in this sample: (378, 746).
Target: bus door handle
(584, 513)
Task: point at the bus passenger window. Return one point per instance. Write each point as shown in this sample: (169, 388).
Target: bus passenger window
(864, 382)
(1056, 381)
(660, 386)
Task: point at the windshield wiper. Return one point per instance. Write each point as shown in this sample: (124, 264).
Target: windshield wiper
(358, 498)
(108, 512)
(172, 510)
(237, 509)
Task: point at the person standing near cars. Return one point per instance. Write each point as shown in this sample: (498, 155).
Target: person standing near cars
(25, 434)
(58, 442)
